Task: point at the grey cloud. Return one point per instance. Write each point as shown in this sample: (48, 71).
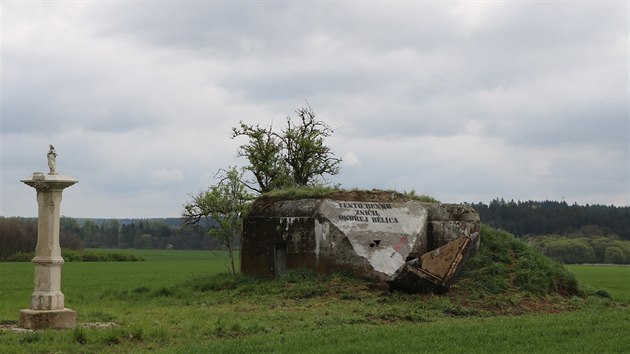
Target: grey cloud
(459, 100)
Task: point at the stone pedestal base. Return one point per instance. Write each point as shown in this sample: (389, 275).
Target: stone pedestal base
(56, 319)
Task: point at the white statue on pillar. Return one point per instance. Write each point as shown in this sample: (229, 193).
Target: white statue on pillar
(47, 308)
(52, 160)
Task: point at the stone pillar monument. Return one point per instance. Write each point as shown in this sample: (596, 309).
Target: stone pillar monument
(47, 302)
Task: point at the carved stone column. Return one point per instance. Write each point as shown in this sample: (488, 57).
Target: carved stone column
(47, 302)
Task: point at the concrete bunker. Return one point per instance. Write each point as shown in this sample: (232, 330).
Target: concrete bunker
(383, 236)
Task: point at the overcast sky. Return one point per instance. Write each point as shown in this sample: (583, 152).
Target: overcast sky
(464, 101)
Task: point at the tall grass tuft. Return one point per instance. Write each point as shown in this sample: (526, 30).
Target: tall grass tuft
(79, 336)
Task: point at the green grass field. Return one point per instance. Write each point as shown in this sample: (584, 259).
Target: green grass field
(171, 303)
(613, 278)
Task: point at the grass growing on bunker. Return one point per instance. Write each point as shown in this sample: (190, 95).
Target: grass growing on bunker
(508, 276)
(180, 302)
(331, 192)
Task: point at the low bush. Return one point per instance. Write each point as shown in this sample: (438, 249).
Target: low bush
(20, 257)
(82, 256)
(582, 249)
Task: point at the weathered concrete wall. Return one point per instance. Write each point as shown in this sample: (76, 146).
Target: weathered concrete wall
(371, 235)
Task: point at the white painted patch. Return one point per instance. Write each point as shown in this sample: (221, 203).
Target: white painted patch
(386, 260)
(321, 232)
(383, 233)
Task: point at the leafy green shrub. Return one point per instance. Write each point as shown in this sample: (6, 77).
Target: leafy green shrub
(82, 256)
(72, 255)
(93, 257)
(624, 246)
(569, 251)
(21, 257)
(99, 256)
(581, 249)
(614, 255)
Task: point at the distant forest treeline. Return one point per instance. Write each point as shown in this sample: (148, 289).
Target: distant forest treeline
(552, 217)
(566, 233)
(20, 234)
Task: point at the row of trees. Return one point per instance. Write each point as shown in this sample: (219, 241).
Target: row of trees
(552, 217)
(20, 235)
(16, 235)
(566, 233)
(570, 250)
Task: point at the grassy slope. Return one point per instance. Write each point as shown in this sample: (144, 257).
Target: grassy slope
(170, 304)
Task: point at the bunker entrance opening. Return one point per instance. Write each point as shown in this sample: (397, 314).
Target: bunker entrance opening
(280, 258)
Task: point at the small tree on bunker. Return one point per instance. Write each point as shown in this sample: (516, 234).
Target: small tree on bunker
(297, 156)
(305, 153)
(264, 153)
(222, 205)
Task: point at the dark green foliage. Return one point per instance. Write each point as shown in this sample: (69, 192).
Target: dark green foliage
(82, 256)
(614, 255)
(579, 249)
(505, 263)
(295, 157)
(305, 153)
(552, 217)
(264, 153)
(17, 235)
(99, 256)
(20, 257)
(569, 251)
(224, 204)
